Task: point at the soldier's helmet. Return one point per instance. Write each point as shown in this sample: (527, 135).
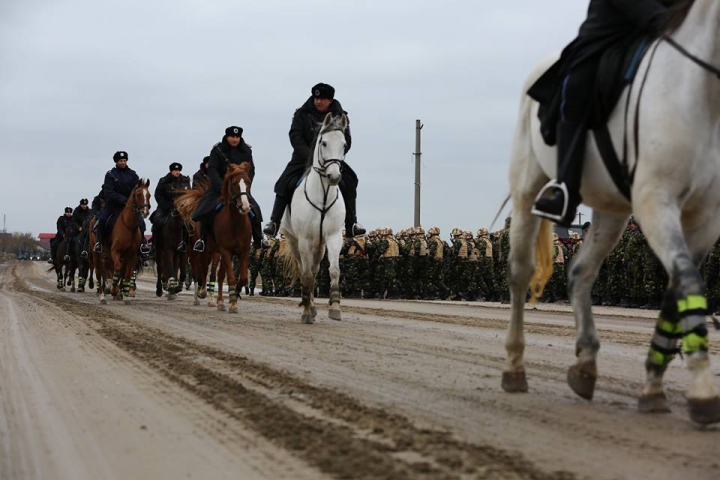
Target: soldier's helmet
(575, 235)
(556, 236)
(387, 231)
(433, 231)
(482, 232)
(419, 231)
(467, 234)
(456, 232)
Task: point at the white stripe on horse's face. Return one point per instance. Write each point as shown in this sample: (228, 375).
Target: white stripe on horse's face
(331, 147)
(245, 203)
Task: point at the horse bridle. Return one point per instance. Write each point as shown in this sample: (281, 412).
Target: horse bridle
(322, 171)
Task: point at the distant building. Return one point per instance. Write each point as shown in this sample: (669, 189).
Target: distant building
(44, 239)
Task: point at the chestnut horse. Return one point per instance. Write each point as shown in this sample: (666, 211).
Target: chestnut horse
(231, 233)
(123, 245)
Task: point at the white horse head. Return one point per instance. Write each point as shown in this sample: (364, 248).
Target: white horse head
(330, 148)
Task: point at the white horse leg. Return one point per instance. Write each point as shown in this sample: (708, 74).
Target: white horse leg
(661, 223)
(521, 266)
(604, 234)
(333, 247)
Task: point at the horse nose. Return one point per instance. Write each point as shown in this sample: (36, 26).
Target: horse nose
(334, 178)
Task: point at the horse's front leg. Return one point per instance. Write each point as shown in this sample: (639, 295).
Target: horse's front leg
(222, 271)
(680, 252)
(117, 274)
(211, 283)
(128, 281)
(603, 236)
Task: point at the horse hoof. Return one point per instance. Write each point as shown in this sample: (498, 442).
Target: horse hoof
(196, 302)
(72, 289)
(233, 310)
(313, 311)
(103, 301)
(307, 319)
(581, 379)
(704, 411)
(335, 314)
(514, 382)
(221, 307)
(172, 296)
(653, 403)
(81, 290)
(212, 304)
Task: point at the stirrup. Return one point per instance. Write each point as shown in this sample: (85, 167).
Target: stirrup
(51, 261)
(181, 246)
(552, 185)
(84, 254)
(144, 249)
(199, 246)
(97, 248)
(271, 229)
(358, 229)
(66, 258)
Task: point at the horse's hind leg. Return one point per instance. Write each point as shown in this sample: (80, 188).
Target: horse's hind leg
(604, 234)
(689, 320)
(333, 246)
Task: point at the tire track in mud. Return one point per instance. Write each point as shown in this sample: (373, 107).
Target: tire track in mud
(326, 428)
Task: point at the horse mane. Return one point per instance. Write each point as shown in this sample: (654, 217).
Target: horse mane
(187, 203)
(234, 171)
(674, 15)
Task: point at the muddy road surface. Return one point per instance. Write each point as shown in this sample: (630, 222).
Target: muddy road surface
(396, 390)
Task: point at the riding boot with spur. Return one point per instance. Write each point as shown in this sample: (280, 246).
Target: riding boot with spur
(352, 227)
(558, 200)
(273, 226)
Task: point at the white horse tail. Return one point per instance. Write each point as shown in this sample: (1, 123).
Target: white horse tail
(543, 260)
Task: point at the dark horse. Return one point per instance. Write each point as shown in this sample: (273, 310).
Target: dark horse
(168, 260)
(122, 246)
(231, 233)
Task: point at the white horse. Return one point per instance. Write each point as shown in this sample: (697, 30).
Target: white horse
(318, 214)
(675, 196)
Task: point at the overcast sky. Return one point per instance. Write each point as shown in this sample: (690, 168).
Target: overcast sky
(80, 79)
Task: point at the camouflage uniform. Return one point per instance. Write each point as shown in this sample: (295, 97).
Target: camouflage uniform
(322, 281)
(711, 274)
(370, 289)
(655, 279)
(435, 287)
(501, 267)
(282, 284)
(256, 258)
(486, 270)
(267, 270)
(357, 267)
(634, 267)
(388, 263)
(616, 278)
(473, 267)
(557, 286)
(460, 275)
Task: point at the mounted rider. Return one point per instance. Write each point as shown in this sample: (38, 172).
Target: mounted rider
(201, 176)
(80, 216)
(566, 91)
(98, 202)
(168, 189)
(62, 224)
(120, 181)
(306, 123)
(232, 149)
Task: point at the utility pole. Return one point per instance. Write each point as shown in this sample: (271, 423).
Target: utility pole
(418, 154)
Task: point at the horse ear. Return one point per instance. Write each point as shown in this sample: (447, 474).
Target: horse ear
(328, 120)
(344, 122)
(147, 183)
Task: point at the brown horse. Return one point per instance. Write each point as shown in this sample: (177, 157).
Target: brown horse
(231, 233)
(123, 245)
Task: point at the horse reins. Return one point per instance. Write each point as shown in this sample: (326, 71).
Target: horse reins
(326, 191)
(684, 52)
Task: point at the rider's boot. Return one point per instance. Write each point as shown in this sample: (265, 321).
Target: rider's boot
(352, 227)
(53, 251)
(99, 227)
(273, 226)
(558, 200)
(200, 243)
(144, 247)
(256, 232)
